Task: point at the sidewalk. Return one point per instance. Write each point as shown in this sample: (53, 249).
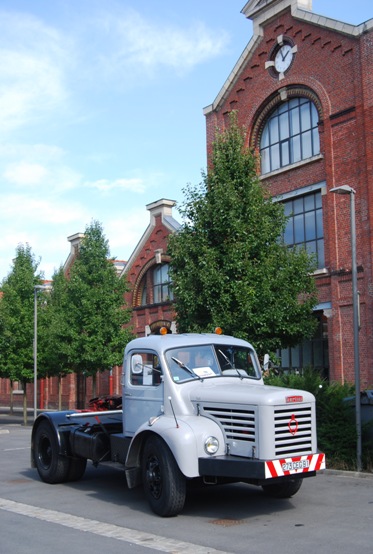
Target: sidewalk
(16, 418)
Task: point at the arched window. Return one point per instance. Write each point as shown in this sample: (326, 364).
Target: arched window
(290, 134)
(155, 286)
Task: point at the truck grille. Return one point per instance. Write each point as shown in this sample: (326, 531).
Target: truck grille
(293, 431)
(239, 425)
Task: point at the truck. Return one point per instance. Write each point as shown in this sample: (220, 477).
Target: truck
(194, 408)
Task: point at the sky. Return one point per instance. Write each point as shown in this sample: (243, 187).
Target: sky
(101, 112)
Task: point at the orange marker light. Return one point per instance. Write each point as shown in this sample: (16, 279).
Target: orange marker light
(218, 330)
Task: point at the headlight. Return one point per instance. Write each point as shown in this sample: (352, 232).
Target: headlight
(211, 445)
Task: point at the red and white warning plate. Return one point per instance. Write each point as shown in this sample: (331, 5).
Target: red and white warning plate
(294, 465)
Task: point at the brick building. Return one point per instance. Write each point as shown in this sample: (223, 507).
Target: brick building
(147, 273)
(303, 89)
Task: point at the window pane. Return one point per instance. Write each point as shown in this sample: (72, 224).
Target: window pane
(309, 202)
(316, 141)
(305, 117)
(265, 159)
(295, 361)
(265, 137)
(284, 126)
(294, 122)
(298, 205)
(273, 129)
(285, 155)
(314, 115)
(310, 225)
(319, 225)
(275, 156)
(285, 357)
(307, 353)
(311, 247)
(296, 151)
(288, 234)
(298, 229)
(306, 145)
(288, 208)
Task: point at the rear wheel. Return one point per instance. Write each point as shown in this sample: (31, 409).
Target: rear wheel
(283, 490)
(164, 484)
(76, 469)
(51, 466)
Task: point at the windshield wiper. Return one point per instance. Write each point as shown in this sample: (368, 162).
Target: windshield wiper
(183, 366)
(230, 363)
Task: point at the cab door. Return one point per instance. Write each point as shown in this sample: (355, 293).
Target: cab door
(143, 390)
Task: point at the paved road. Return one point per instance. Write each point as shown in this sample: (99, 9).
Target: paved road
(332, 513)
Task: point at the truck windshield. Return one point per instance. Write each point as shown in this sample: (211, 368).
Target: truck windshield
(200, 362)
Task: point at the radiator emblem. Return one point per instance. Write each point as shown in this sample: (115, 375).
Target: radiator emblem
(293, 425)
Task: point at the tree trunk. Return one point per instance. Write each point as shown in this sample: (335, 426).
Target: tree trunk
(11, 398)
(24, 403)
(59, 392)
(94, 385)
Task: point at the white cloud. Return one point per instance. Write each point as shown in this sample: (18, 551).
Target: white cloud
(33, 60)
(105, 185)
(136, 44)
(25, 173)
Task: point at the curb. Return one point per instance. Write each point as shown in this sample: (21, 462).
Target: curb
(350, 474)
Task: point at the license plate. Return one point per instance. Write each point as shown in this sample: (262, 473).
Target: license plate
(291, 466)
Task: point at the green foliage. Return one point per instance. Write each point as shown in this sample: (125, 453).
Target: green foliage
(336, 426)
(17, 317)
(53, 329)
(93, 308)
(229, 268)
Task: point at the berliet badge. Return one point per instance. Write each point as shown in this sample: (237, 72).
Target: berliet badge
(293, 425)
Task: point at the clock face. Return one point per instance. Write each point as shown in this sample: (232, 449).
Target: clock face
(283, 58)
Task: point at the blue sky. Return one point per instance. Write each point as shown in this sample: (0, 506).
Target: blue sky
(101, 111)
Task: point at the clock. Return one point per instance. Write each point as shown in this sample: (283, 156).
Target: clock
(283, 58)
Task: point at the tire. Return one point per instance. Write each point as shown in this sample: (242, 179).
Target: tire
(164, 484)
(52, 467)
(76, 469)
(283, 490)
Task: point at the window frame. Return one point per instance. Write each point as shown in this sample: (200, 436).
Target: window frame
(287, 130)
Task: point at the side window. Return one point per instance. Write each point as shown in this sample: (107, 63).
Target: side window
(305, 226)
(145, 369)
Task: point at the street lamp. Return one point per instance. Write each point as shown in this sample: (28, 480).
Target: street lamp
(345, 189)
(36, 289)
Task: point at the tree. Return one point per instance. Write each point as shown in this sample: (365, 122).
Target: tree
(229, 264)
(53, 323)
(17, 320)
(96, 333)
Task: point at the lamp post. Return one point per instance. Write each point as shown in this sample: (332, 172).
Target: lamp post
(36, 289)
(345, 189)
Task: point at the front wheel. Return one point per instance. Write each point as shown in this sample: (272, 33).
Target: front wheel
(52, 467)
(283, 490)
(164, 484)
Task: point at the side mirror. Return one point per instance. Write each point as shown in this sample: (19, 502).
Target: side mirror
(266, 362)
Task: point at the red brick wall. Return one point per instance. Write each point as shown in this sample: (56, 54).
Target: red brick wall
(338, 69)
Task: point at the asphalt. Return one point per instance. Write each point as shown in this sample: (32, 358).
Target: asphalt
(15, 417)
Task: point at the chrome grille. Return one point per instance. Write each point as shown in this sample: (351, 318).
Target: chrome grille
(298, 419)
(238, 424)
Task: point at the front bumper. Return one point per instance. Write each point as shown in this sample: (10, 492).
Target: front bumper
(249, 469)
